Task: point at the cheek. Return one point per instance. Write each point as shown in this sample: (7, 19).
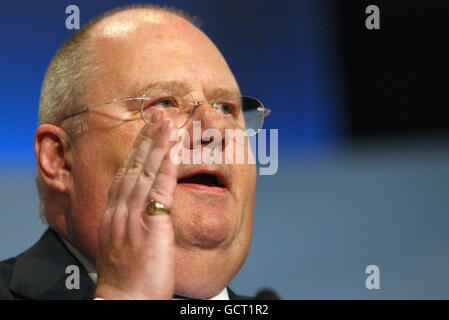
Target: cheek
(94, 165)
(91, 184)
(245, 182)
(90, 190)
(98, 157)
(246, 193)
(92, 171)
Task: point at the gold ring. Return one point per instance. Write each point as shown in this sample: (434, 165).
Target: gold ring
(154, 208)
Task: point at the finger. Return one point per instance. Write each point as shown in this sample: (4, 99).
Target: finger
(150, 170)
(165, 184)
(142, 151)
(116, 182)
(119, 218)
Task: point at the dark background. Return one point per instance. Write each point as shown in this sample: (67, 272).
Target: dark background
(396, 78)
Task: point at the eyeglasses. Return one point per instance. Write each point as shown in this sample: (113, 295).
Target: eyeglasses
(238, 112)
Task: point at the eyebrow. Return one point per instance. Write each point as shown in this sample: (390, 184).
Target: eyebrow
(220, 92)
(173, 85)
(182, 87)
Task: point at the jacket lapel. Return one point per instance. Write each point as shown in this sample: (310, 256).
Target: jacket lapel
(40, 272)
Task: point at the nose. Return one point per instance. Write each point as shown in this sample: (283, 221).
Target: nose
(211, 122)
(213, 126)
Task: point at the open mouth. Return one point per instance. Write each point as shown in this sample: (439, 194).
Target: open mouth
(204, 179)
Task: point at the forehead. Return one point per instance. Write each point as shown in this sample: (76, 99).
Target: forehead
(136, 51)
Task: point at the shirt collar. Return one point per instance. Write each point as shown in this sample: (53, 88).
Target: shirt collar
(92, 272)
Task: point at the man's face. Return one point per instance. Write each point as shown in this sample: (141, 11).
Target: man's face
(213, 232)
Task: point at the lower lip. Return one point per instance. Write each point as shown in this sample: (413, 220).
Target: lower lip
(203, 188)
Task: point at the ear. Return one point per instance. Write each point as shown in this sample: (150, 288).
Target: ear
(53, 156)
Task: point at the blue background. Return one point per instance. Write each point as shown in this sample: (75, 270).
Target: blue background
(332, 209)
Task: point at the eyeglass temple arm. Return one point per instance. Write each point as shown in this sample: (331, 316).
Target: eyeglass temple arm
(266, 111)
(75, 113)
(144, 97)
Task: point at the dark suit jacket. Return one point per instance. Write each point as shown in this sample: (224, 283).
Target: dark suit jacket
(40, 273)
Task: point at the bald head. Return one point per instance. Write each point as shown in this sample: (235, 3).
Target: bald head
(121, 23)
(137, 47)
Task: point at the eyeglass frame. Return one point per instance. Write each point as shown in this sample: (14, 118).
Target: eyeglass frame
(265, 111)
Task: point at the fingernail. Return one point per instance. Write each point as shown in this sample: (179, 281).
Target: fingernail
(165, 124)
(157, 115)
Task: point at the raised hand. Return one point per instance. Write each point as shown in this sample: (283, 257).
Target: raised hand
(136, 252)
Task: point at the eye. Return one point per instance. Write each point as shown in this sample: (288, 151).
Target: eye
(164, 103)
(224, 108)
(161, 103)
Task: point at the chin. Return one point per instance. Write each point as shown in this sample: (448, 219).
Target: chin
(212, 241)
(205, 226)
(204, 272)
(196, 290)
(202, 275)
